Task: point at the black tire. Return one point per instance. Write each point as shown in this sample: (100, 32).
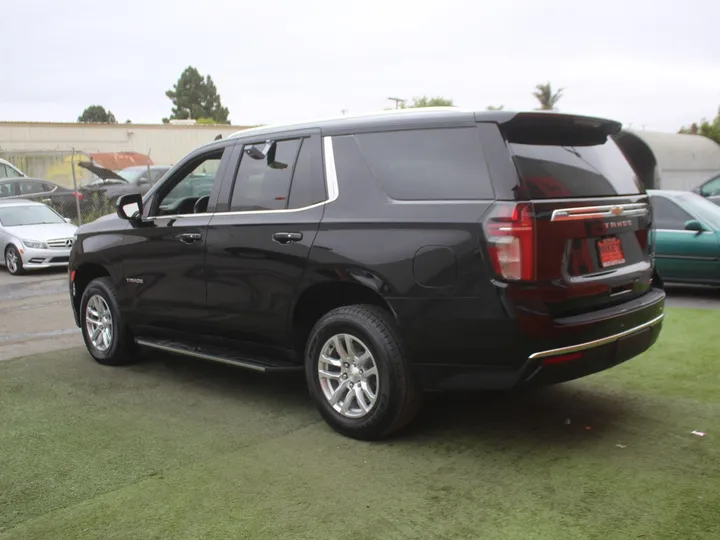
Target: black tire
(122, 349)
(19, 269)
(398, 397)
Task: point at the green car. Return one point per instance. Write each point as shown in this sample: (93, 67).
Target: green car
(686, 229)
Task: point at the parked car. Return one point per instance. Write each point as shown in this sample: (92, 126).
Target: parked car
(137, 179)
(61, 198)
(33, 236)
(710, 189)
(8, 170)
(383, 255)
(687, 237)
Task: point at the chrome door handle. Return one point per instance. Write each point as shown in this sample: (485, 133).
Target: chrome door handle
(189, 238)
(287, 237)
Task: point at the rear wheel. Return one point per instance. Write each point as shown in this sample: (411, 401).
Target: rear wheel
(105, 334)
(358, 373)
(13, 261)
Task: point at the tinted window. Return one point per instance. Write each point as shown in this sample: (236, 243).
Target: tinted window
(308, 184)
(6, 172)
(7, 189)
(668, 215)
(431, 164)
(30, 188)
(260, 185)
(597, 170)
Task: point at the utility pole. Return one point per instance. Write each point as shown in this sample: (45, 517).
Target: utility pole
(397, 101)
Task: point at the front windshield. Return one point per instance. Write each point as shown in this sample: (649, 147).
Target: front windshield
(13, 216)
(705, 209)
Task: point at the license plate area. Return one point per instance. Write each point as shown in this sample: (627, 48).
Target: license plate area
(610, 251)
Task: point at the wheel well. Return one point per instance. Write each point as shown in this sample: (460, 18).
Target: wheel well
(319, 299)
(83, 276)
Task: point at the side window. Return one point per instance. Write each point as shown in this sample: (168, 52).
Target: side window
(711, 188)
(5, 171)
(6, 190)
(31, 188)
(194, 182)
(428, 164)
(263, 185)
(668, 215)
(308, 185)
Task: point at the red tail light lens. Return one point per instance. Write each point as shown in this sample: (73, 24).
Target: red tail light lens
(78, 195)
(510, 235)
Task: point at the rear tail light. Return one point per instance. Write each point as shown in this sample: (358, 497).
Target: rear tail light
(78, 195)
(510, 235)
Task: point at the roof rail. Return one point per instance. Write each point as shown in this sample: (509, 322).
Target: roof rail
(391, 112)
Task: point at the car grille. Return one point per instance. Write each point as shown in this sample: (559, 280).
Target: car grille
(63, 243)
(60, 259)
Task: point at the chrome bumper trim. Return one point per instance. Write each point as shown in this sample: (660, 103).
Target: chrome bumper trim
(596, 343)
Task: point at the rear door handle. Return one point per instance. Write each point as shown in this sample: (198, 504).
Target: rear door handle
(287, 237)
(189, 238)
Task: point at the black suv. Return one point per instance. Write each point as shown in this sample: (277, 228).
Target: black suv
(384, 255)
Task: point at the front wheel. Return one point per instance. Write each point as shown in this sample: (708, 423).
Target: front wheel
(13, 261)
(105, 334)
(358, 374)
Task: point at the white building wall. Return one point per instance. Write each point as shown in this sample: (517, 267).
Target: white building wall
(166, 143)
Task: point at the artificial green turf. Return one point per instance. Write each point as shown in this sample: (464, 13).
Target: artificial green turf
(175, 449)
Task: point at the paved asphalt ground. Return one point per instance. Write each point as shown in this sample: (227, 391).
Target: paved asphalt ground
(35, 314)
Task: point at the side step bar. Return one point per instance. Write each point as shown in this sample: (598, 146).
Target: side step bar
(217, 354)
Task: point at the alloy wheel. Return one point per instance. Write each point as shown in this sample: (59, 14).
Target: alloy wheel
(99, 323)
(348, 375)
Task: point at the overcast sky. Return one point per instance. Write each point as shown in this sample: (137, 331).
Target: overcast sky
(652, 63)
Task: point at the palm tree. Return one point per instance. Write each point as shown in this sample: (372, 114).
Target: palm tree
(548, 100)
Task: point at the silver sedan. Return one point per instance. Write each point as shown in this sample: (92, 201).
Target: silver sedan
(33, 236)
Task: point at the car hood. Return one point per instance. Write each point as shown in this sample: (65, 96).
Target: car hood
(43, 232)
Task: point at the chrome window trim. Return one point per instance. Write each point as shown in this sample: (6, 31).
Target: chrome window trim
(331, 185)
(598, 212)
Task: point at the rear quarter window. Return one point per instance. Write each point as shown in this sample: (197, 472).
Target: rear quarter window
(599, 170)
(428, 164)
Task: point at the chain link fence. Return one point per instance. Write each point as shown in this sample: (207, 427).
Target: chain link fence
(63, 181)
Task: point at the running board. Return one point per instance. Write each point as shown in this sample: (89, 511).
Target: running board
(217, 354)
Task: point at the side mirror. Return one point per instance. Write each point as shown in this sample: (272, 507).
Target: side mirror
(694, 225)
(129, 206)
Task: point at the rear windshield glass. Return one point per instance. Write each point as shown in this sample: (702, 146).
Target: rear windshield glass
(549, 172)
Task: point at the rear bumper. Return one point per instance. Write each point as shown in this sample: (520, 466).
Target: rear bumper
(576, 347)
(575, 361)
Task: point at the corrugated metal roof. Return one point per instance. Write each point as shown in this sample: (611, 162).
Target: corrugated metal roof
(119, 160)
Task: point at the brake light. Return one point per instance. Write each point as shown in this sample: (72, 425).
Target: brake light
(511, 240)
(78, 195)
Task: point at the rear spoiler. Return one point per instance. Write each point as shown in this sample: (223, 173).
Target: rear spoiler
(554, 129)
